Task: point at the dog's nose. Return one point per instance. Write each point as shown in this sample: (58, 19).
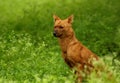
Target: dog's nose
(54, 33)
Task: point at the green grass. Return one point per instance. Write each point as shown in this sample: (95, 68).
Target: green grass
(29, 52)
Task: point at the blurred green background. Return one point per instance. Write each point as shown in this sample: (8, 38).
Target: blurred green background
(28, 48)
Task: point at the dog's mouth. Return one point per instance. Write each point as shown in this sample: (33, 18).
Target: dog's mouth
(56, 35)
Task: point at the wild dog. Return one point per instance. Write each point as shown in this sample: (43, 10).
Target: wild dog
(74, 53)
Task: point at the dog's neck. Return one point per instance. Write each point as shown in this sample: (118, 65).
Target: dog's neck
(66, 41)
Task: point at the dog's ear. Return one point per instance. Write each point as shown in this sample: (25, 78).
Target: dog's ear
(70, 19)
(55, 18)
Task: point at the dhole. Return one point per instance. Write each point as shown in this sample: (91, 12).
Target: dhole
(74, 53)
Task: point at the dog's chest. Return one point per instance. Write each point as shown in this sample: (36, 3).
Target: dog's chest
(64, 45)
(64, 51)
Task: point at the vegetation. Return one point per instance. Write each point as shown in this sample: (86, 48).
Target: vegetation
(29, 52)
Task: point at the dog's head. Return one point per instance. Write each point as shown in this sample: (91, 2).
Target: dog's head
(62, 28)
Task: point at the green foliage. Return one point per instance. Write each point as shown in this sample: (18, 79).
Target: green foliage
(106, 72)
(29, 52)
(21, 59)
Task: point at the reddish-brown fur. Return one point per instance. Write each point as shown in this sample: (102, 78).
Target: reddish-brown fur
(75, 54)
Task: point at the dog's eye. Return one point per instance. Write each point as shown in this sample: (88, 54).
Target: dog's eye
(61, 27)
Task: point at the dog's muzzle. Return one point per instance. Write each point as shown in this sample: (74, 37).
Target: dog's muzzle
(56, 34)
